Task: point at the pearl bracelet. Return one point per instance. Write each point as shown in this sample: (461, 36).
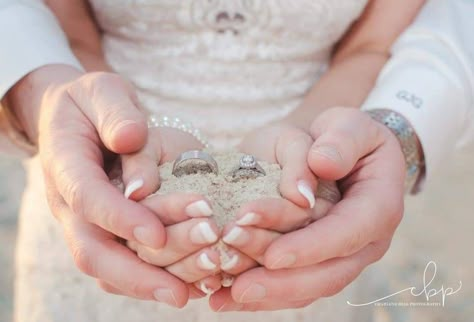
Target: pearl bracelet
(178, 124)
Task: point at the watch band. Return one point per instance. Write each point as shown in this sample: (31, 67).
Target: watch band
(409, 142)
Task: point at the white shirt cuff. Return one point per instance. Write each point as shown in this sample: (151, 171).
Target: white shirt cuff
(31, 38)
(427, 82)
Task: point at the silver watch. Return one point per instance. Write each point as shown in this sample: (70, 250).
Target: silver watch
(409, 142)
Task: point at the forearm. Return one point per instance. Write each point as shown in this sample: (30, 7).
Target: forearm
(358, 59)
(347, 83)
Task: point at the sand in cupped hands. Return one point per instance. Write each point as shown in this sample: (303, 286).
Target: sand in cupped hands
(225, 193)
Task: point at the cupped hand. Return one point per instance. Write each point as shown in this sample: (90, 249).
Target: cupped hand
(322, 258)
(189, 232)
(84, 120)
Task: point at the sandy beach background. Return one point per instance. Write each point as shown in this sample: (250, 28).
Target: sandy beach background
(438, 226)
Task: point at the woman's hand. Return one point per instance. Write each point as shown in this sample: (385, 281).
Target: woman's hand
(324, 257)
(80, 121)
(189, 232)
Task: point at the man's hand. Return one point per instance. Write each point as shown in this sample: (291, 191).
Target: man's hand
(83, 121)
(324, 257)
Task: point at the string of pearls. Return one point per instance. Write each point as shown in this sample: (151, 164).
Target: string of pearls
(178, 124)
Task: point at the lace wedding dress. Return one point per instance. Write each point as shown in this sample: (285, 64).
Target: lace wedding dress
(229, 66)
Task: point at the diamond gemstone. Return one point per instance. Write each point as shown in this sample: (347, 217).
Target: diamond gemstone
(248, 162)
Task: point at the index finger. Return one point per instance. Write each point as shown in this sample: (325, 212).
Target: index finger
(72, 156)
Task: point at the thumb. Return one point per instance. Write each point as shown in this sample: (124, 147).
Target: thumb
(111, 106)
(343, 136)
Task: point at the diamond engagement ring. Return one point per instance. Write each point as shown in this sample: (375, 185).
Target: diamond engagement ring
(248, 168)
(195, 161)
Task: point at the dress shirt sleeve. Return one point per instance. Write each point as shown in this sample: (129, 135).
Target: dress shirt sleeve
(30, 37)
(430, 79)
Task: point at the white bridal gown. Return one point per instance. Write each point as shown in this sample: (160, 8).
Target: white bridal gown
(229, 66)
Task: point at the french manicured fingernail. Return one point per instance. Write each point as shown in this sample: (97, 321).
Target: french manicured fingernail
(199, 209)
(329, 152)
(236, 236)
(230, 264)
(249, 219)
(305, 189)
(144, 236)
(202, 233)
(205, 289)
(284, 261)
(253, 293)
(132, 187)
(165, 295)
(204, 262)
(227, 281)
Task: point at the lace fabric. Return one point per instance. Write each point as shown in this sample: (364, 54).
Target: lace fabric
(229, 66)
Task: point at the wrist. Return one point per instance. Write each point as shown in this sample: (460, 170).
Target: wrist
(24, 100)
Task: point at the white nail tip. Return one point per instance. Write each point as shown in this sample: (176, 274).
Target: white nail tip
(207, 232)
(199, 209)
(132, 187)
(248, 219)
(230, 264)
(227, 281)
(232, 235)
(307, 192)
(205, 289)
(206, 263)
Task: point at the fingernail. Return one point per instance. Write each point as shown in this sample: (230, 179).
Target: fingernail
(284, 261)
(204, 262)
(165, 295)
(227, 281)
(199, 209)
(236, 236)
(132, 187)
(202, 233)
(249, 219)
(329, 152)
(305, 189)
(230, 264)
(253, 293)
(205, 289)
(144, 236)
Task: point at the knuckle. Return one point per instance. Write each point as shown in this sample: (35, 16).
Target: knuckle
(70, 186)
(336, 284)
(379, 250)
(84, 259)
(353, 243)
(72, 191)
(136, 289)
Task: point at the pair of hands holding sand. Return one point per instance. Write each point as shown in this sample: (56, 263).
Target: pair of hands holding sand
(82, 122)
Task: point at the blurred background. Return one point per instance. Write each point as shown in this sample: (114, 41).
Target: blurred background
(438, 226)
